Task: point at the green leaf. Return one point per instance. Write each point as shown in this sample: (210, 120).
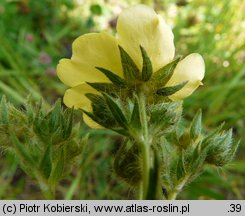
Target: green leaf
(127, 163)
(4, 118)
(68, 115)
(163, 75)
(147, 69)
(196, 125)
(58, 170)
(167, 91)
(198, 159)
(116, 111)
(228, 138)
(55, 116)
(221, 148)
(233, 149)
(164, 117)
(211, 136)
(96, 9)
(29, 109)
(46, 162)
(130, 70)
(115, 79)
(22, 152)
(180, 172)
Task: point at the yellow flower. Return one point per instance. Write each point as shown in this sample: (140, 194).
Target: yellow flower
(137, 26)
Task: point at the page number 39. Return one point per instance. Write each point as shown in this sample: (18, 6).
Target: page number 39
(235, 208)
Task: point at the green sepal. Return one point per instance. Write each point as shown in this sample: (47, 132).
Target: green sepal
(147, 69)
(4, 116)
(101, 112)
(167, 91)
(135, 117)
(116, 111)
(45, 166)
(121, 131)
(107, 88)
(92, 116)
(115, 79)
(95, 118)
(196, 126)
(163, 75)
(130, 70)
(95, 98)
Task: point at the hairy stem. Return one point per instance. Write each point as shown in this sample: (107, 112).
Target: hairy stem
(47, 190)
(145, 147)
(178, 188)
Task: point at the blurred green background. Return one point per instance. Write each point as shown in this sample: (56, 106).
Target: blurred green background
(34, 35)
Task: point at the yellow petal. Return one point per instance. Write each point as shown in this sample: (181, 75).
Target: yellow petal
(91, 123)
(191, 69)
(76, 97)
(140, 25)
(90, 51)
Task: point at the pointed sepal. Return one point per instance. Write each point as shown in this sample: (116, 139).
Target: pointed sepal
(130, 70)
(115, 79)
(147, 69)
(167, 91)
